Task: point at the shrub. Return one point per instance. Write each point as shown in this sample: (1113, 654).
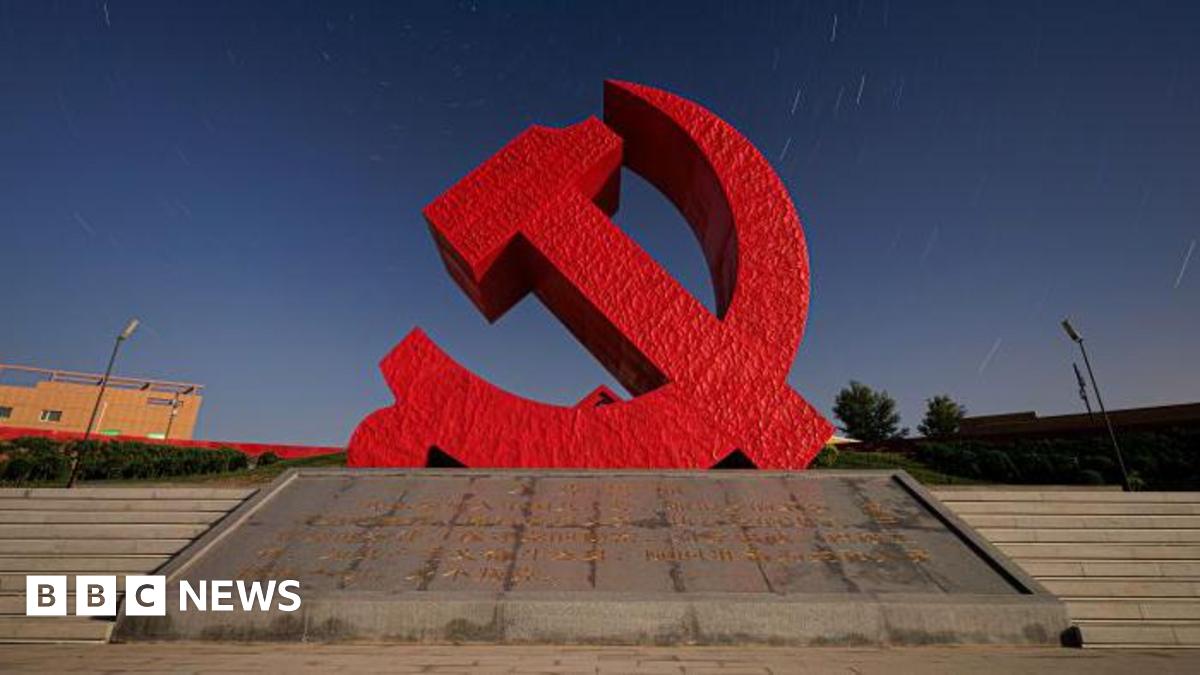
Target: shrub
(233, 460)
(37, 443)
(267, 459)
(23, 464)
(1159, 460)
(997, 466)
(44, 459)
(826, 458)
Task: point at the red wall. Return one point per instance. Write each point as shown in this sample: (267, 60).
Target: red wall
(283, 451)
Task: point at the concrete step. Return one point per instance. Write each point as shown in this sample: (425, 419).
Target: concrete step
(998, 535)
(54, 629)
(1080, 495)
(118, 531)
(1040, 568)
(133, 564)
(1127, 564)
(13, 582)
(1103, 551)
(1158, 610)
(1091, 522)
(13, 604)
(100, 531)
(20, 504)
(109, 517)
(1139, 634)
(126, 493)
(1122, 587)
(1077, 508)
(30, 547)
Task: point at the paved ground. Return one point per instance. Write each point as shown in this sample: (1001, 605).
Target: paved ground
(214, 658)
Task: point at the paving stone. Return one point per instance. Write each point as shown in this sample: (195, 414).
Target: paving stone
(296, 659)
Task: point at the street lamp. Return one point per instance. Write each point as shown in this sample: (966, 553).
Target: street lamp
(1083, 391)
(1078, 339)
(175, 405)
(123, 336)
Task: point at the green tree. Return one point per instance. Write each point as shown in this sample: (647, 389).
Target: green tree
(866, 414)
(942, 417)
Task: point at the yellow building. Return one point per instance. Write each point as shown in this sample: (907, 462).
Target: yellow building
(60, 400)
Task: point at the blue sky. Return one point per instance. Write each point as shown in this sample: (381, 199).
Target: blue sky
(248, 177)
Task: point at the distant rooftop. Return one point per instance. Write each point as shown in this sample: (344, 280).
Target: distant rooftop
(1181, 414)
(25, 373)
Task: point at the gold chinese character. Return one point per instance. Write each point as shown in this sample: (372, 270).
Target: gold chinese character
(456, 572)
(422, 575)
(917, 554)
(593, 555)
(492, 573)
(462, 554)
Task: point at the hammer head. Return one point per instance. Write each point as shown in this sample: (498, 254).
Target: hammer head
(479, 223)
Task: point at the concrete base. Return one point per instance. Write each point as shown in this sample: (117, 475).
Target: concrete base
(820, 620)
(963, 593)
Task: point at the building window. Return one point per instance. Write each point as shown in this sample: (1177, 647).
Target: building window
(51, 415)
(5, 412)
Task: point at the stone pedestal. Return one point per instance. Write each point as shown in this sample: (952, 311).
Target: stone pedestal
(625, 557)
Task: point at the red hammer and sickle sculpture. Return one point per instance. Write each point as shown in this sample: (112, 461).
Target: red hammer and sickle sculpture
(534, 218)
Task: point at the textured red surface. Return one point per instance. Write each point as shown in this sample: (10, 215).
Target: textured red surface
(534, 218)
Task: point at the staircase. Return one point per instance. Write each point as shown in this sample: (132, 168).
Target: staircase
(1127, 564)
(93, 531)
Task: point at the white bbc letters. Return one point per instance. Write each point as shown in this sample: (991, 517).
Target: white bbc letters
(95, 595)
(45, 595)
(145, 595)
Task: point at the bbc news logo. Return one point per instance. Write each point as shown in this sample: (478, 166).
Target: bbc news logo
(146, 595)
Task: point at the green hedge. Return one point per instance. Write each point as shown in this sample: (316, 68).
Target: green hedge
(1160, 460)
(22, 464)
(826, 459)
(266, 459)
(36, 459)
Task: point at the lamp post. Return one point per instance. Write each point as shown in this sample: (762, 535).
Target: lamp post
(123, 336)
(1078, 339)
(175, 405)
(1083, 391)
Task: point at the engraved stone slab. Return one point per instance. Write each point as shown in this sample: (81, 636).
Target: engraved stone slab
(625, 557)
